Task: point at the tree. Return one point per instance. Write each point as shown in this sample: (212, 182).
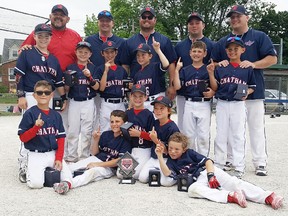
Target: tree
(91, 25)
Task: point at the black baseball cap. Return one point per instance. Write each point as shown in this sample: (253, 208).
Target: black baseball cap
(148, 9)
(61, 8)
(163, 100)
(143, 47)
(84, 44)
(235, 40)
(195, 15)
(42, 27)
(109, 45)
(106, 14)
(138, 88)
(240, 9)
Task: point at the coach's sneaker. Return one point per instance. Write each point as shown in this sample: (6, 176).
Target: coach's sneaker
(261, 171)
(237, 197)
(274, 200)
(237, 173)
(228, 166)
(22, 176)
(61, 188)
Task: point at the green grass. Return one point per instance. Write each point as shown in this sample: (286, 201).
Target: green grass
(7, 98)
(9, 114)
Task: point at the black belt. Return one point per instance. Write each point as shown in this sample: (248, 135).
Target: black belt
(197, 99)
(42, 151)
(81, 99)
(112, 100)
(151, 98)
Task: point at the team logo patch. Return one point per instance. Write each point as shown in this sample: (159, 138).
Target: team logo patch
(59, 6)
(234, 7)
(140, 46)
(249, 43)
(148, 9)
(109, 43)
(160, 98)
(138, 86)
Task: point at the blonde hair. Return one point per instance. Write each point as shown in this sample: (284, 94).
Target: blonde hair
(179, 138)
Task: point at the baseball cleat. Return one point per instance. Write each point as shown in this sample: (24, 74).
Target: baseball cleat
(261, 171)
(61, 188)
(275, 201)
(22, 176)
(239, 198)
(237, 174)
(228, 166)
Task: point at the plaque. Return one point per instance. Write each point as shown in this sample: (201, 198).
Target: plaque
(79, 172)
(125, 129)
(202, 86)
(241, 91)
(184, 181)
(57, 103)
(52, 176)
(154, 178)
(70, 77)
(127, 165)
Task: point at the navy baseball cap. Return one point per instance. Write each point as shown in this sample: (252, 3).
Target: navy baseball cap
(84, 44)
(143, 47)
(109, 45)
(195, 15)
(148, 9)
(138, 88)
(61, 8)
(240, 9)
(163, 100)
(106, 14)
(42, 28)
(235, 40)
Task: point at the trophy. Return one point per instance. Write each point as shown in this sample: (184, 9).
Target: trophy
(57, 103)
(52, 176)
(125, 129)
(184, 181)
(79, 172)
(70, 77)
(241, 91)
(154, 178)
(127, 165)
(202, 86)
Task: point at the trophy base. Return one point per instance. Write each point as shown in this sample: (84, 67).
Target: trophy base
(127, 181)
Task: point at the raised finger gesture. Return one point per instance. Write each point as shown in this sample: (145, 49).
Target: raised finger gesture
(179, 64)
(39, 122)
(86, 71)
(211, 67)
(96, 134)
(155, 44)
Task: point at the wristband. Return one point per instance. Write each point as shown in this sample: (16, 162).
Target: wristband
(20, 93)
(91, 80)
(210, 175)
(63, 97)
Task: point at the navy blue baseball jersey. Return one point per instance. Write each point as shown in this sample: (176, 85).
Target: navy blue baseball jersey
(228, 78)
(114, 84)
(96, 42)
(47, 135)
(258, 45)
(151, 76)
(111, 147)
(143, 121)
(163, 133)
(128, 56)
(189, 78)
(33, 66)
(190, 162)
(82, 90)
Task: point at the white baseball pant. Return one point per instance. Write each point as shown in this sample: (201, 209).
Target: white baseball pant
(180, 103)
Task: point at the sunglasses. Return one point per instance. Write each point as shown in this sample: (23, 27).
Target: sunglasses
(234, 39)
(105, 13)
(150, 17)
(40, 93)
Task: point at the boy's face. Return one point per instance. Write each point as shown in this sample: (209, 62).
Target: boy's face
(109, 54)
(161, 111)
(83, 54)
(43, 95)
(143, 58)
(138, 100)
(42, 39)
(195, 27)
(115, 123)
(234, 51)
(197, 54)
(175, 150)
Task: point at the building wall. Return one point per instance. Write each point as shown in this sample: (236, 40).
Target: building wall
(8, 78)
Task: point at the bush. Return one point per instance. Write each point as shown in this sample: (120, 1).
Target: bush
(3, 89)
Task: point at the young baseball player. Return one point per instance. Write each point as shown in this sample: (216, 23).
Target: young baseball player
(111, 84)
(106, 151)
(197, 109)
(81, 107)
(163, 129)
(231, 111)
(151, 73)
(143, 122)
(42, 132)
(210, 182)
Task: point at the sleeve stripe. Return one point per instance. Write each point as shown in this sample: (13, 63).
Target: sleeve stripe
(20, 71)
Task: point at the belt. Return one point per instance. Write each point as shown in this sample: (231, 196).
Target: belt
(42, 151)
(151, 98)
(113, 100)
(81, 99)
(198, 99)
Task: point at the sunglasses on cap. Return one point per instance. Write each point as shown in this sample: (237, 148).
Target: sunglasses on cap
(150, 17)
(105, 13)
(234, 39)
(40, 93)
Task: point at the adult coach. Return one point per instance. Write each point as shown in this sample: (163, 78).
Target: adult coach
(259, 54)
(147, 22)
(195, 26)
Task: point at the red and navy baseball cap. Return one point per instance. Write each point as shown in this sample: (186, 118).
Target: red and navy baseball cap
(235, 40)
(163, 100)
(138, 88)
(84, 44)
(42, 28)
(240, 9)
(194, 15)
(106, 14)
(109, 45)
(143, 47)
(60, 7)
(148, 9)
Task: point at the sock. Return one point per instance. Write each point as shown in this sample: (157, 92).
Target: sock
(269, 199)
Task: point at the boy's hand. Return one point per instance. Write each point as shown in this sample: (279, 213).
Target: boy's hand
(212, 181)
(171, 92)
(92, 164)
(209, 93)
(108, 65)
(96, 134)
(159, 150)
(179, 64)
(153, 135)
(39, 122)
(134, 132)
(223, 63)
(211, 67)
(155, 44)
(58, 165)
(22, 103)
(86, 71)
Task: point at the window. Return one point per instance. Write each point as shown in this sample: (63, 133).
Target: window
(14, 53)
(11, 74)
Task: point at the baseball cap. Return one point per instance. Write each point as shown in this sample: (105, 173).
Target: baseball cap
(163, 100)
(240, 9)
(143, 47)
(195, 15)
(84, 44)
(235, 40)
(61, 8)
(42, 27)
(138, 88)
(106, 14)
(148, 9)
(109, 45)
